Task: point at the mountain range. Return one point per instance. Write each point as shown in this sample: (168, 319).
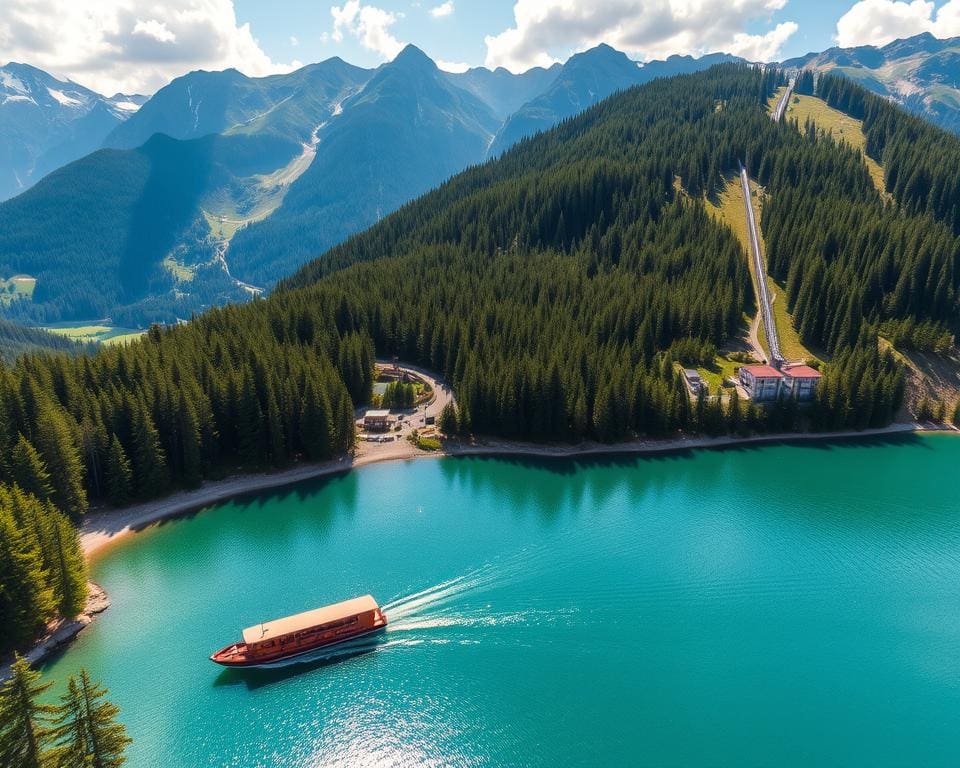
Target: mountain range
(584, 80)
(46, 123)
(920, 73)
(221, 184)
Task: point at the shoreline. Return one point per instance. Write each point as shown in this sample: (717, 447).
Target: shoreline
(103, 529)
(63, 632)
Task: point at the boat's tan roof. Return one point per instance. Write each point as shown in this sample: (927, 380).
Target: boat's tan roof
(307, 619)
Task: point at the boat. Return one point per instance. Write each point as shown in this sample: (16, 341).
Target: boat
(302, 636)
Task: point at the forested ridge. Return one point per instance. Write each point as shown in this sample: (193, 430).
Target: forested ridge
(95, 232)
(16, 339)
(556, 288)
(849, 258)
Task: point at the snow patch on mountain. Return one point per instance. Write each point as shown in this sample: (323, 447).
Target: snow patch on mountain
(64, 100)
(17, 97)
(49, 122)
(11, 83)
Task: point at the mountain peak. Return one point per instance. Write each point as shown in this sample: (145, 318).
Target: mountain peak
(602, 51)
(922, 43)
(411, 56)
(603, 56)
(19, 66)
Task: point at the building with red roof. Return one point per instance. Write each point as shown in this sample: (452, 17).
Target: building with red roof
(762, 382)
(800, 381)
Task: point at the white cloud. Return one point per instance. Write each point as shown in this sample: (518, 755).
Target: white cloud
(444, 9)
(369, 24)
(294, 41)
(155, 29)
(645, 29)
(130, 45)
(762, 47)
(878, 22)
(452, 66)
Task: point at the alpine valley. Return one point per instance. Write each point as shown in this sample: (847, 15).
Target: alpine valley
(221, 184)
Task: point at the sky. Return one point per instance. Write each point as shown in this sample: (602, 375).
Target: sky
(137, 46)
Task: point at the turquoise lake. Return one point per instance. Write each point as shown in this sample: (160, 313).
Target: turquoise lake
(777, 606)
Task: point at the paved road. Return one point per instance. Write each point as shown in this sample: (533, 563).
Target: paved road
(763, 295)
(781, 108)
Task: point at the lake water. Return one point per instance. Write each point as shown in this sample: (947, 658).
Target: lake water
(785, 605)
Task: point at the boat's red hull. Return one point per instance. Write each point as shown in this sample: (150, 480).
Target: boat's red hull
(236, 656)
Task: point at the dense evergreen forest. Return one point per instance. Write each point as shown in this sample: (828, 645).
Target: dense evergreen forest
(39, 554)
(240, 386)
(16, 339)
(921, 162)
(555, 287)
(849, 258)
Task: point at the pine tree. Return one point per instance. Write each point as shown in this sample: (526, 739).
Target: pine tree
(447, 421)
(61, 456)
(344, 430)
(250, 424)
(276, 441)
(28, 470)
(735, 419)
(316, 424)
(149, 462)
(604, 416)
(107, 738)
(581, 418)
(119, 475)
(25, 723)
(71, 734)
(27, 601)
(191, 458)
(69, 569)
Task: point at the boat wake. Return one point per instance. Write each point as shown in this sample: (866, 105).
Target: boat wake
(460, 603)
(440, 596)
(453, 612)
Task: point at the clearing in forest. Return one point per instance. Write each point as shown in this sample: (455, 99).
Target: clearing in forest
(17, 287)
(86, 332)
(840, 126)
(729, 208)
(933, 377)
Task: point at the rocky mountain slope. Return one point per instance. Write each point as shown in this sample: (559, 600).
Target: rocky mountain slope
(921, 73)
